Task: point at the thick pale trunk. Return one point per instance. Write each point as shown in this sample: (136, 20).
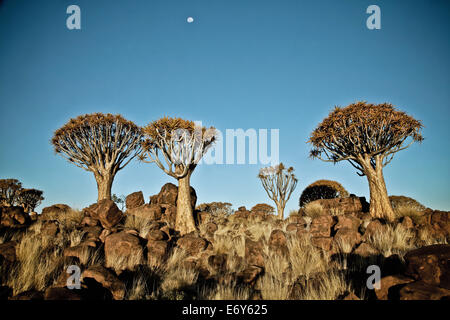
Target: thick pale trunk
(280, 211)
(185, 222)
(104, 185)
(380, 206)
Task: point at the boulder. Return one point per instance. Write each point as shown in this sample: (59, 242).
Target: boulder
(192, 244)
(157, 251)
(250, 274)
(14, 217)
(218, 262)
(61, 293)
(347, 237)
(350, 205)
(323, 243)
(106, 279)
(49, 228)
(374, 226)
(430, 264)
(157, 235)
(347, 221)
(124, 247)
(134, 200)
(147, 211)
(421, 290)
(108, 213)
(321, 226)
(366, 250)
(169, 195)
(8, 251)
(389, 282)
(278, 242)
(254, 253)
(55, 210)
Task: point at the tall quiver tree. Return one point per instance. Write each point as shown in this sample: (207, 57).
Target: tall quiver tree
(176, 146)
(279, 183)
(367, 136)
(100, 143)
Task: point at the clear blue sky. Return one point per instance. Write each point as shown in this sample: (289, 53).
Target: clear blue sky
(241, 64)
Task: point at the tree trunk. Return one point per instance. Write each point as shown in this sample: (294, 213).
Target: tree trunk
(380, 206)
(280, 211)
(104, 185)
(185, 213)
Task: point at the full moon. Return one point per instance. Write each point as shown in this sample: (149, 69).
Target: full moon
(190, 19)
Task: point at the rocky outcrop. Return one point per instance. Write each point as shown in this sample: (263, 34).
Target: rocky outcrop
(134, 200)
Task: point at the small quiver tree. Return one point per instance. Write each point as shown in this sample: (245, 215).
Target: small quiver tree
(29, 199)
(322, 189)
(100, 143)
(368, 136)
(9, 191)
(176, 146)
(279, 183)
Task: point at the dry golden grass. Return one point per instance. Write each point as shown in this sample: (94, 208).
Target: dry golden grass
(392, 240)
(229, 292)
(325, 286)
(141, 225)
(130, 262)
(313, 210)
(273, 289)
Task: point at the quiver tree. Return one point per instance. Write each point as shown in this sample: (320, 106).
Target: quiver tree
(176, 146)
(29, 199)
(9, 191)
(322, 189)
(100, 143)
(279, 183)
(367, 136)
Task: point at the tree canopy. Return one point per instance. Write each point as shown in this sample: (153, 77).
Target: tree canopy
(364, 129)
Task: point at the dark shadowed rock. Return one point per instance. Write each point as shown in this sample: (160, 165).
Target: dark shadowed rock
(254, 253)
(169, 195)
(250, 274)
(61, 293)
(218, 262)
(430, 264)
(134, 200)
(321, 226)
(106, 279)
(366, 250)
(421, 290)
(157, 251)
(386, 283)
(8, 251)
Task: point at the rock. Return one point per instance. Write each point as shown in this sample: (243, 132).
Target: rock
(278, 242)
(80, 251)
(423, 291)
(106, 279)
(366, 250)
(92, 233)
(169, 214)
(192, 244)
(14, 216)
(350, 205)
(156, 252)
(151, 212)
(124, 247)
(169, 195)
(202, 216)
(347, 221)
(440, 222)
(157, 235)
(350, 296)
(49, 228)
(28, 295)
(321, 226)
(92, 211)
(218, 262)
(89, 221)
(108, 213)
(372, 228)
(254, 253)
(323, 243)
(407, 223)
(211, 227)
(8, 251)
(346, 237)
(430, 264)
(48, 213)
(61, 293)
(250, 274)
(134, 200)
(104, 234)
(387, 283)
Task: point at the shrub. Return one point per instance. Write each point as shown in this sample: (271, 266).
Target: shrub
(322, 189)
(263, 207)
(405, 206)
